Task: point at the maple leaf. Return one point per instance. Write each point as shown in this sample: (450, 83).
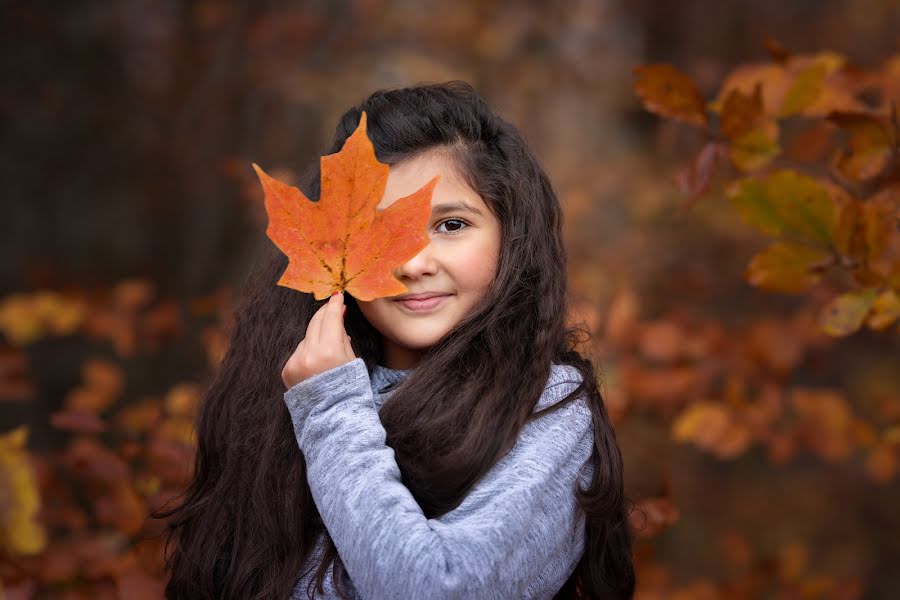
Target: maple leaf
(343, 242)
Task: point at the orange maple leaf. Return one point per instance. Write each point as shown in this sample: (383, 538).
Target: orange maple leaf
(343, 242)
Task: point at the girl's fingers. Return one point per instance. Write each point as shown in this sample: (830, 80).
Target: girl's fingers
(332, 328)
(315, 325)
(348, 348)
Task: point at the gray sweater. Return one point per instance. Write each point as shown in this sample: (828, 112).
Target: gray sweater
(518, 533)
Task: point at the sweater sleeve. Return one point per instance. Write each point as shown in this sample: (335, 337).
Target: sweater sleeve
(497, 542)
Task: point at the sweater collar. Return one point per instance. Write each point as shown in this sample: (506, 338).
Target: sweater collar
(384, 378)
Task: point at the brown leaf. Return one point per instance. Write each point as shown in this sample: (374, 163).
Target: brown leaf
(881, 223)
(215, 343)
(122, 508)
(811, 143)
(132, 295)
(733, 442)
(742, 113)
(14, 383)
(668, 92)
(662, 387)
(775, 345)
(104, 382)
(134, 584)
(776, 50)
(77, 421)
(622, 316)
(869, 148)
(89, 459)
(773, 79)
(182, 400)
(170, 460)
(661, 341)
(653, 515)
(793, 561)
(825, 422)
(139, 417)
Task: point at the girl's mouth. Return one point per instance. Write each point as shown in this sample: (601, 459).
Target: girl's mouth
(422, 305)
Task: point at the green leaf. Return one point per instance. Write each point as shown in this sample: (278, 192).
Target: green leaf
(789, 204)
(754, 150)
(805, 90)
(750, 198)
(788, 268)
(846, 313)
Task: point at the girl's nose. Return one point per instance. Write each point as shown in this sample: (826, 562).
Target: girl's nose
(423, 263)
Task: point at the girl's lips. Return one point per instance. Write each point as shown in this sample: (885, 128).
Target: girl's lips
(422, 305)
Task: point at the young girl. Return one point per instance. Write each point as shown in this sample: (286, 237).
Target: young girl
(445, 443)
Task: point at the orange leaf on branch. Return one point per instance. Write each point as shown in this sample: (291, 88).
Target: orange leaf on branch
(870, 144)
(668, 92)
(741, 113)
(343, 242)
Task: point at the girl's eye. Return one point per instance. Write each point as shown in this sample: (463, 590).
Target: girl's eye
(453, 225)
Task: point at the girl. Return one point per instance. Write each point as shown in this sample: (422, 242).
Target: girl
(445, 443)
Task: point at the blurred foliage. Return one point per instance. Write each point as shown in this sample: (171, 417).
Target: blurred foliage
(746, 340)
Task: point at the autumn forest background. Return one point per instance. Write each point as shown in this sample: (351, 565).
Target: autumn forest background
(730, 175)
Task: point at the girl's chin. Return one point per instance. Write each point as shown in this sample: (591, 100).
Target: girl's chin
(420, 341)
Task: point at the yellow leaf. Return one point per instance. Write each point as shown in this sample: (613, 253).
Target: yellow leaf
(701, 422)
(788, 268)
(755, 149)
(845, 314)
(885, 310)
(19, 322)
(804, 91)
(20, 532)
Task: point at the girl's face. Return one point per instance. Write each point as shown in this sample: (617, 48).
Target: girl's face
(447, 278)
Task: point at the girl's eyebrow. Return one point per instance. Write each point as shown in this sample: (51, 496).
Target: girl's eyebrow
(446, 207)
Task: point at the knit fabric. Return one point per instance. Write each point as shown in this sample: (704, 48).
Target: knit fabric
(517, 534)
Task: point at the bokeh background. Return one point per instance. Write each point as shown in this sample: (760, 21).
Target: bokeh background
(132, 218)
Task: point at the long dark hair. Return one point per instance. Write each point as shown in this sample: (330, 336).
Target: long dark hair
(247, 523)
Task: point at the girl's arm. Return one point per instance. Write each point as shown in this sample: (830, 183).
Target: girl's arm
(500, 540)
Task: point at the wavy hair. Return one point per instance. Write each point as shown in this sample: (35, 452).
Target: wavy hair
(247, 522)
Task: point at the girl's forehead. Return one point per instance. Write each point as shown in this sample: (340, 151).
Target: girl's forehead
(408, 176)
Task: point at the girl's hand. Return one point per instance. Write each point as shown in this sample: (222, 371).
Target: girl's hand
(325, 346)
